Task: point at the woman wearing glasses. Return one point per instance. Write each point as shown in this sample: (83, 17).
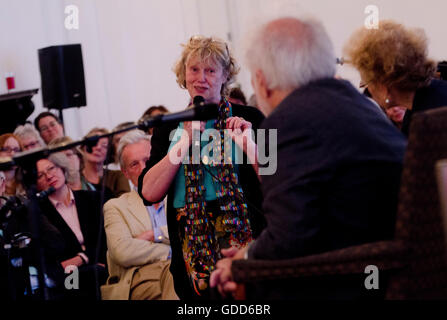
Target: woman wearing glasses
(394, 67)
(49, 126)
(9, 146)
(76, 215)
(211, 205)
(29, 137)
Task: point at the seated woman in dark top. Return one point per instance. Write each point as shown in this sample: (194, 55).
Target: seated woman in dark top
(393, 65)
(76, 216)
(211, 205)
(74, 157)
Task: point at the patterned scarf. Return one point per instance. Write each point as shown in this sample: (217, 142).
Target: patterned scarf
(206, 232)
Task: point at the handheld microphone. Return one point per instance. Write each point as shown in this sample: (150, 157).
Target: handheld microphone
(198, 101)
(201, 111)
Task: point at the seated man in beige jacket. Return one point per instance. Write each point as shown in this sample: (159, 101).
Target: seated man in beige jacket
(137, 237)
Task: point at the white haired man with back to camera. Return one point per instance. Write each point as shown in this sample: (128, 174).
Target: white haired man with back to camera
(338, 161)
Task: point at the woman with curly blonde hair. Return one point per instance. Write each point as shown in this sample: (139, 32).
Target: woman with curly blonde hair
(394, 67)
(210, 203)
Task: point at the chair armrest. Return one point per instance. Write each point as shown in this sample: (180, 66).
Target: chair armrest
(352, 260)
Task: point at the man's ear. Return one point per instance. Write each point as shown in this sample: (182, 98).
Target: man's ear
(263, 88)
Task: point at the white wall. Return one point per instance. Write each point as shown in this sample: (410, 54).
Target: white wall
(130, 46)
(342, 17)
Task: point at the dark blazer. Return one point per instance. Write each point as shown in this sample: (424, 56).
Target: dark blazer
(89, 210)
(430, 97)
(248, 180)
(338, 173)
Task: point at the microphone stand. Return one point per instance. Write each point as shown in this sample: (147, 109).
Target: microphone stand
(201, 111)
(27, 161)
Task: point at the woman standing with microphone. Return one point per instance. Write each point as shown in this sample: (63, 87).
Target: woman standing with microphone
(211, 206)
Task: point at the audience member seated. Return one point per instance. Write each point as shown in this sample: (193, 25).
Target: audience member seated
(10, 145)
(73, 158)
(338, 160)
(393, 65)
(93, 170)
(237, 96)
(76, 215)
(49, 126)
(152, 112)
(22, 272)
(137, 236)
(29, 137)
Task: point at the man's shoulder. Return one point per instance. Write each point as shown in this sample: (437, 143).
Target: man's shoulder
(122, 200)
(323, 91)
(318, 101)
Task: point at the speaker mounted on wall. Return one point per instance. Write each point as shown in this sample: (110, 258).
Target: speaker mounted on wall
(62, 76)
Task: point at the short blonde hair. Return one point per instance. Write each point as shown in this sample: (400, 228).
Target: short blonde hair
(392, 55)
(96, 131)
(208, 50)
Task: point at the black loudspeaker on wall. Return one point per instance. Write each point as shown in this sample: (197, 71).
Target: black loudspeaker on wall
(62, 76)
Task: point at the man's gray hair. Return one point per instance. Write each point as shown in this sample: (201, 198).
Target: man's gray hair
(131, 137)
(27, 130)
(291, 52)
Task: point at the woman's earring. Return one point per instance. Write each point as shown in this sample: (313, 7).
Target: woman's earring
(387, 101)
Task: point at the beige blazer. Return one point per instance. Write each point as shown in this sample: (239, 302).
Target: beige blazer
(125, 218)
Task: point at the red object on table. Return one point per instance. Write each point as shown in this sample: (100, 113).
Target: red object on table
(10, 83)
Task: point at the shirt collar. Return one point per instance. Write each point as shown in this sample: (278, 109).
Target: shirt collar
(58, 203)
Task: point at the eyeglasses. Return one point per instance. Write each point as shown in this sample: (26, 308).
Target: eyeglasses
(51, 124)
(102, 145)
(9, 150)
(31, 145)
(50, 170)
(363, 85)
